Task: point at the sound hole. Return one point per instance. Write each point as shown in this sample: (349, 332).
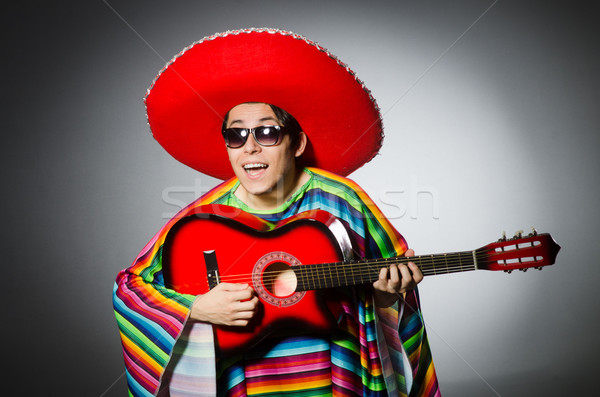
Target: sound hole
(279, 279)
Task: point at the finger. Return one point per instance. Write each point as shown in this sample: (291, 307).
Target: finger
(383, 274)
(409, 252)
(381, 282)
(232, 287)
(248, 305)
(395, 276)
(245, 315)
(243, 294)
(417, 274)
(240, 322)
(406, 276)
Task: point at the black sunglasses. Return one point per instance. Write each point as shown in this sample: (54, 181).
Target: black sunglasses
(266, 135)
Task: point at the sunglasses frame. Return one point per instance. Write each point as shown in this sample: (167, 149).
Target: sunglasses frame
(280, 131)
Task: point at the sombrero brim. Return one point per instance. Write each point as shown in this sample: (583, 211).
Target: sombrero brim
(190, 96)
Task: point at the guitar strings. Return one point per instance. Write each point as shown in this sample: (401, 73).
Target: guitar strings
(451, 263)
(367, 267)
(353, 273)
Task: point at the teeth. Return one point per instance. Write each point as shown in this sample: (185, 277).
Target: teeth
(254, 165)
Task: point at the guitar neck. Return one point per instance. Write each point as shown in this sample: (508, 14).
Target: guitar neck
(343, 274)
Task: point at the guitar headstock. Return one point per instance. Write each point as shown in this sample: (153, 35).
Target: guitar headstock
(520, 252)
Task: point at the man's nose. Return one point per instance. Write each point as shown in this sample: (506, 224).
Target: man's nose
(251, 145)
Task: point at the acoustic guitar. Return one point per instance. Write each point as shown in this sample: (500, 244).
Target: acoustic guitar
(288, 262)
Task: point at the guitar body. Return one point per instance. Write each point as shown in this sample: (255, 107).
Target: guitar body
(250, 250)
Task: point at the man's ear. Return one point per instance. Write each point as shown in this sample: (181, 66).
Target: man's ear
(302, 141)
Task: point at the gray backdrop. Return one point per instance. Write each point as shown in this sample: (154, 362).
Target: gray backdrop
(491, 120)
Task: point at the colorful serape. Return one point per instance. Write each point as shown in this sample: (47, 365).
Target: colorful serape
(374, 352)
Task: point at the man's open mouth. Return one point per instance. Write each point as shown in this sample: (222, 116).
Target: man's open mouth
(254, 168)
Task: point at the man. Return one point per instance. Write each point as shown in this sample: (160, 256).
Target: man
(268, 177)
(167, 336)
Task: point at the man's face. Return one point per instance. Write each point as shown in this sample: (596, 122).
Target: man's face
(262, 170)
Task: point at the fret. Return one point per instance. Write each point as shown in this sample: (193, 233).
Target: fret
(318, 277)
(471, 260)
(330, 275)
(312, 277)
(309, 278)
(446, 262)
(353, 272)
(374, 270)
(367, 272)
(325, 276)
(314, 271)
(364, 272)
(362, 275)
(305, 277)
(307, 283)
(300, 272)
(373, 273)
(345, 273)
(466, 261)
(358, 274)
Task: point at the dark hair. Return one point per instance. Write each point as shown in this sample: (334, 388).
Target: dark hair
(290, 124)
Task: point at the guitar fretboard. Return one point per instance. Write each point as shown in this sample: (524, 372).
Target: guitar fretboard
(343, 274)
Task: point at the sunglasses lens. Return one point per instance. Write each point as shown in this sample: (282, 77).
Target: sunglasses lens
(235, 137)
(267, 135)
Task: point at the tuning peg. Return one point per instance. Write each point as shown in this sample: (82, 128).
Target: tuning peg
(509, 271)
(518, 234)
(533, 232)
(539, 267)
(503, 238)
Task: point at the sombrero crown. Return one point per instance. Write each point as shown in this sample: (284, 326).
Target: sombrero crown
(190, 96)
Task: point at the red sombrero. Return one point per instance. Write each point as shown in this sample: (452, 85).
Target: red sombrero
(191, 94)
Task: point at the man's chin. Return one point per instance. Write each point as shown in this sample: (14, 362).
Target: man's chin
(254, 187)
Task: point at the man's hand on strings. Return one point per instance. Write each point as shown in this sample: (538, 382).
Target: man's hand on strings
(226, 304)
(396, 280)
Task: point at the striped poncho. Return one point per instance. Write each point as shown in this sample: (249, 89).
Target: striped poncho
(373, 352)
